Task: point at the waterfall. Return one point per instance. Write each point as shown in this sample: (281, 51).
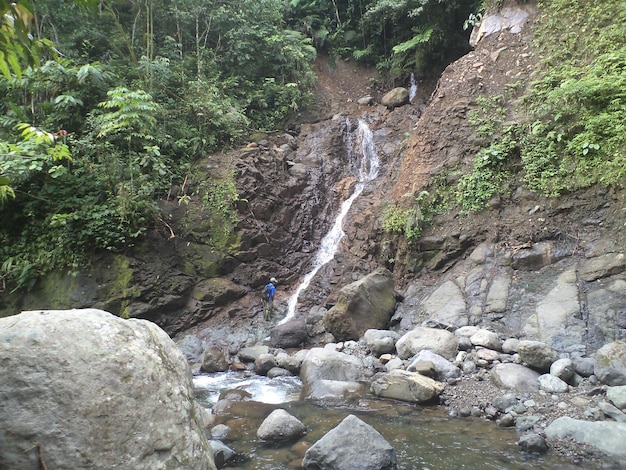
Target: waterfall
(361, 152)
(412, 88)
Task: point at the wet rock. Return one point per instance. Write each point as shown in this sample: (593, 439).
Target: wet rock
(291, 334)
(251, 353)
(352, 444)
(515, 377)
(330, 389)
(215, 359)
(90, 375)
(264, 363)
(440, 342)
(280, 426)
(220, 432)
(365, 304)
(278, 372)
(537, 354)
(381, 341)
(406, 386)
(610, 366)
(532, 443)
(606, 436)
(222, 454)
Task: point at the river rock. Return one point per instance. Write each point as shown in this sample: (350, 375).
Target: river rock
(563, 369)
(86, 389)
(264, 363)
(330, 390)
(612, 412)
(215, 359)
(515, 377)
(440, 342)
(606, 436)
(406, 386)
(381, 341)
(353, 444)
(222, 454)
(280, 426)
(251, 353)
(617, 396)
(486, 339)
(584, 366)
(610, 366)
(291, 363)
(291, 334)
(533, 443)
(552, 384)
(323, 363)
(444, 369)
(537, 354)
(365, 304)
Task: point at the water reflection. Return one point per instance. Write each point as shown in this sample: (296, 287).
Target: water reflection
(423, 437)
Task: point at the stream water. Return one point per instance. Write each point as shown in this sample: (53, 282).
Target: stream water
(364, 158)
(424, 437)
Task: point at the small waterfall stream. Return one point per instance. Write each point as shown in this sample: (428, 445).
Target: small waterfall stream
(412, 88)
(361, 152)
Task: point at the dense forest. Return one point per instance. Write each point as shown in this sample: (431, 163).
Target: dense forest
(107, 105)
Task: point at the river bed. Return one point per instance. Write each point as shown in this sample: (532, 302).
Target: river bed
(424, 437)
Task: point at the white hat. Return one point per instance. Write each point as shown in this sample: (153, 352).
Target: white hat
(273, 279)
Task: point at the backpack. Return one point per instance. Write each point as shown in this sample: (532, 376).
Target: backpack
(266, 293)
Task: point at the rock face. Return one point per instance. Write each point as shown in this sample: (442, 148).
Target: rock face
(353, 444)
(86, 389)
(365, 304)
(610, 365)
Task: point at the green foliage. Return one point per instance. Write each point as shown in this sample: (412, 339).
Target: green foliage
(219, 196)
(576, 137)
(408, 221)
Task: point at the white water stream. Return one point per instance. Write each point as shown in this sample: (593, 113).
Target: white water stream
(412, 88)
(362, 152)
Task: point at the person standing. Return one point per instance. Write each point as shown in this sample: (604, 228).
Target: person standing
(268, 296)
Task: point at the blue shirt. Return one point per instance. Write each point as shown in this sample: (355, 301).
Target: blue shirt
(270, 290)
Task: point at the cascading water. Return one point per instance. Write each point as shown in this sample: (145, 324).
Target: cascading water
(412, 88)
(362, 152)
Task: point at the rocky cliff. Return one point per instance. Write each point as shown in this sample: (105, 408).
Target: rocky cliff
(531, 267)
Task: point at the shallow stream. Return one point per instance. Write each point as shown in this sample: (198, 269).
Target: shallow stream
(424, 437)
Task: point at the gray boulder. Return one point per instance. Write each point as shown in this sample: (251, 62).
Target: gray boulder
(215, 359)
(251, 353)
(444, 369)
(280, 426)
(515, 377)
(397, 97)
(486, 339)
(610, 367)
(406, 386)
(365, 304)
(86, 389)
(291, 334)
(352, 445)
(381, 341)
(537, 354)
(322, 363)
(440, 342)
(617, 396)
(330, 390)
(552, 384)
(606, 436)
(564, 369)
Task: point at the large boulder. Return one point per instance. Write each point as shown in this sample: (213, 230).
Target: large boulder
(291, 334)
(537, 354)
(606, 436)
(86, 389)
(381, 341)
(440, 342)
(515, 377)
(353, 444)
(365, 304)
